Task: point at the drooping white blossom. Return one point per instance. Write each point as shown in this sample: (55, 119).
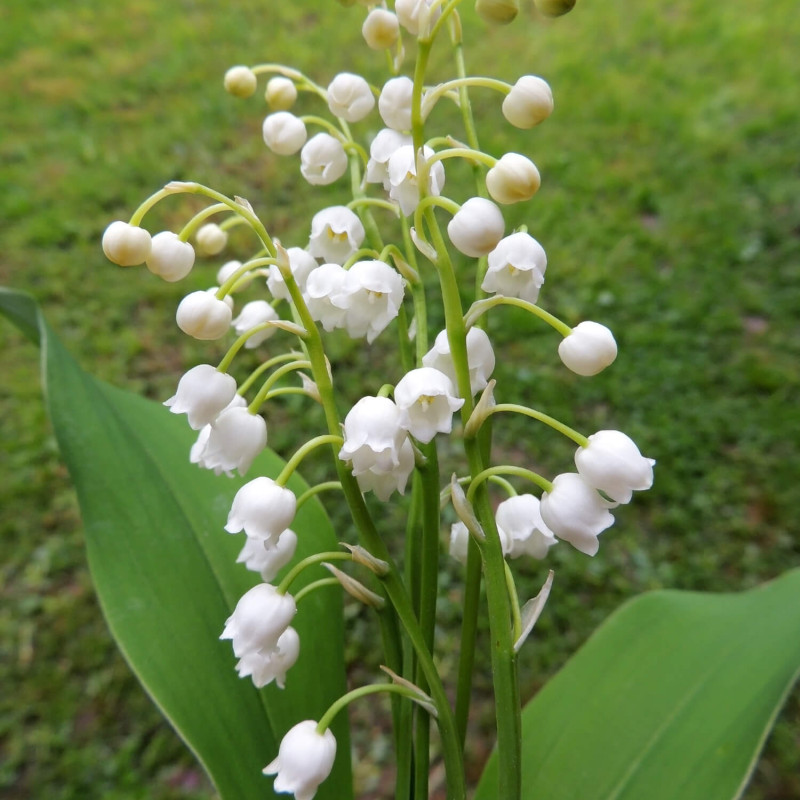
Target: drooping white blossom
(349, 97)
(284, 133)
(381, 29)
(394, 103)
(516, 268)
(240, 81)
(258, 555)
(373, 435)
(513, 179)
(529, 102)
(202, 394)
(301, 263)
(588, 349)
(477, 227)
(521, 528)
(231, 442)
(382, 148)
(199, 447)
(169, 257)
(428, 401)
(265, 667)
(325, 295)
(262, 509)
(612, 463)
(459, 542)
(202, 315)
(126, 245)
(480, 358)
(372, 295)
(385, 480)
(336, 233)
(281, 93)
(403, 186)
(260, 617)
(210, 239)
(256, 312)
(305, 759)
(323, 160)
(576, 512)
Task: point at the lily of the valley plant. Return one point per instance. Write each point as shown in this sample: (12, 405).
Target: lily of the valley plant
(396, 251)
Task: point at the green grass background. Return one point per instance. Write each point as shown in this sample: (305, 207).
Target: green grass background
(670, 210)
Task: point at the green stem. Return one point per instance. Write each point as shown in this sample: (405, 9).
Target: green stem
(315, 490)
(570, 433)
(521, 472)
(482, 306)
(294, 462)
(310, 561)
(273, 379)
(312, 587)
(198, 219)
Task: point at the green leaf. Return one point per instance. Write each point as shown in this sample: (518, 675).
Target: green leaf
(671, 699)
(165, 573)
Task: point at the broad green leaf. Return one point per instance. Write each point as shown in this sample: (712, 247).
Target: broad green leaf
(671, 699)
(165, 573)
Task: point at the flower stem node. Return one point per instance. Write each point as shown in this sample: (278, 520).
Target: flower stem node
(477, 227)
(516, 268)
(262, 509)
(575, 512)
(169, 257)
(481, 412)
(588, 349)
(323, 160)
(254, 313)
(394, 103)
(428, 401)
(349, 97)
(240, 81)
(260, 617)
(554, 8)
(501, 12)
(259, 555)
(529, 102)
(202, 315)
(336, 233)
(264, 667)
(284, 133)
(126, 245)
(355, 588)
(211, 239)
(381, 29)
(480, 358)
(612, 463)
(231, 442)
(202, 394)
(513, 179)
(305, 759)
(281, 93)
(366, 559)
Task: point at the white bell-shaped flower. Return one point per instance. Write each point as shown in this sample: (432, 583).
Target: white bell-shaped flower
(428, 401)
(513, 179)
(262, 509)
(385, 144)
(381, 29)
(529, 102)
(373, 435)
(227, 270)
(169, 257)
(305, 759)
(266, 667)
(301, 263)
(199, 447)
(259, 619)
(575, 512)
(281, 93)
(256, 312)
(349, 97)
(284, 133)
(588, 349)
(268, 560)
(240, 81)
(373, 293)
(516, 268)
(336, 233)
(459, 542)
(210, 239)
(202, 394)
(394, 479)
(232, 442)
(477, 227)
(521, 528)
(326, 297)
(323, 160)
(416, 16)
(403, 186)
(612, 463)
(125, 244)
(394, 103)
(480, 358)
(202, 316)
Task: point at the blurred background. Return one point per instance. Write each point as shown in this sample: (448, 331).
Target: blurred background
(670, 211)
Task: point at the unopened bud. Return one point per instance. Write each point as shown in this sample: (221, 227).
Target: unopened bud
(588, 349)
(280, 93)
(210, 239)
(240, 81)
(499, 11)
(529, 102)
(202, 316)
(554, 8)
(380, 29)
(126, 245)
(169, 257)
(476, 227)
(513, 179)
(284, 133)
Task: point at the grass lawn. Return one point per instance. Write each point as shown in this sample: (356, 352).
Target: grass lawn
(670, 211)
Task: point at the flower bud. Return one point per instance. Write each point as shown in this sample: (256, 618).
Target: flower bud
(126, 245)
(170, 258)
(202, 394)
(499, 11)
(415, 15)
(262, 509)
(394, 103)
(202, 316)
(349, 97)
(513, 179)
(305, 759)
(284, 133)
(240, 81)
(280, 93)
(529, 102)
(211, 239)
(380, 29)
(323, 160)
(554, 8)
(588, 349)
(477, 227)
(255, 313)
